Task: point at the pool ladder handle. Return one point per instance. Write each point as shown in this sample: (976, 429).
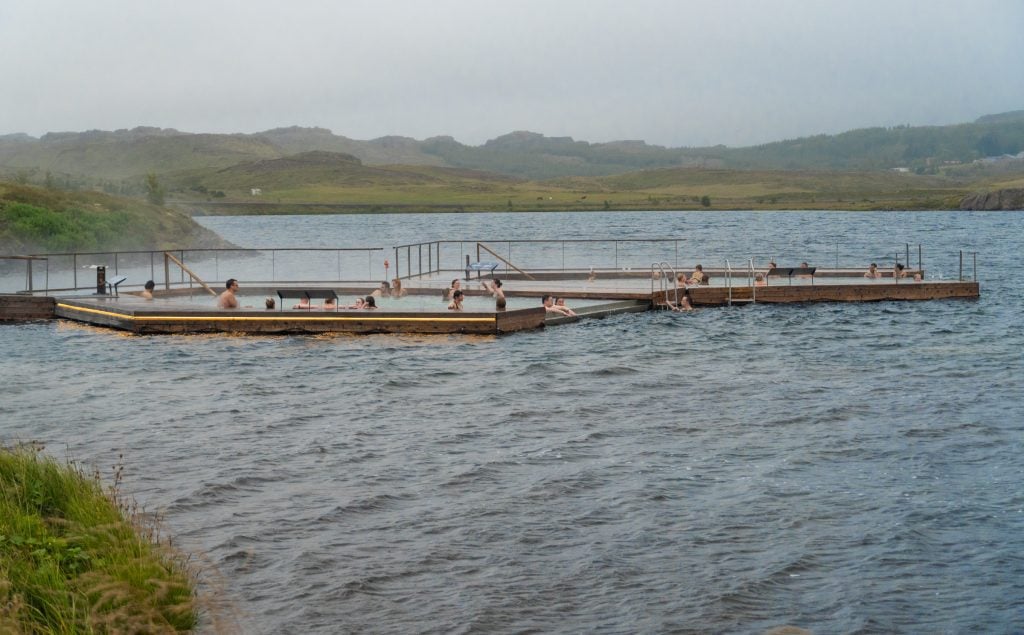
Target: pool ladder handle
(661, 270)
(750, 282)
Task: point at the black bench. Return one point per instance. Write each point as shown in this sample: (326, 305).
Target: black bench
(789, 272)
(307, 295)
(113, 283)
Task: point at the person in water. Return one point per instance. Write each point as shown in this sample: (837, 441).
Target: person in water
(227, 298)
(499, 295)
(551, 307)
(396, 288)
(684, 302)
(873, 272)
(450, 291)
(899, 271)
(456, 303)
(269, 303)
(147, 291)
(369, 302)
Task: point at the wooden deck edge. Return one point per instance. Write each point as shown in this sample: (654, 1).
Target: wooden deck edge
(873, 292)
(17, 307)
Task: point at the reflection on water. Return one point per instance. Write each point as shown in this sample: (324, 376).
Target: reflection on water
(841, 467)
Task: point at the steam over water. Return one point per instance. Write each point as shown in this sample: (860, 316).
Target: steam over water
(840, 467)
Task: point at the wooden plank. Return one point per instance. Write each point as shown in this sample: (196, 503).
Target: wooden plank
(870, 292)
(26, 307)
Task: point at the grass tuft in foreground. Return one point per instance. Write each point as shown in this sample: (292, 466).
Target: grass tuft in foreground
(76, 557)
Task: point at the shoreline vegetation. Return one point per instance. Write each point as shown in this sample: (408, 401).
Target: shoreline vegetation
(38, 219)
(78, 557)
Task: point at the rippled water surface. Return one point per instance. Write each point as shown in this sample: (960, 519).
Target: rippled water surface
(839, 467)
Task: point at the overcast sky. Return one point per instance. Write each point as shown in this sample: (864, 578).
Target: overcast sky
(669, 72)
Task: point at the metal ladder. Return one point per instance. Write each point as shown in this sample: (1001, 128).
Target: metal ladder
(730, 300)
(661, 271)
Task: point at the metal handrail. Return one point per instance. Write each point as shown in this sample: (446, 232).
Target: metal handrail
(728, 281)
(663, 280)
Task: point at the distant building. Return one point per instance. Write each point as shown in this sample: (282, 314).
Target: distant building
(901, 170)
(256, 191)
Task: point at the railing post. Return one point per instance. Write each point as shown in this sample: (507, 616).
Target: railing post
(74, 270)
(975, 254)
(167, 271)
(961, 276)
(29, 273)
(616, 254)
(920, 266)
(907, 248)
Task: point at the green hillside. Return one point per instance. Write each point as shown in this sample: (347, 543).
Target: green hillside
(35, 219)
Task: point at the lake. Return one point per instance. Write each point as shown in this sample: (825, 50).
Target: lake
(850, 468)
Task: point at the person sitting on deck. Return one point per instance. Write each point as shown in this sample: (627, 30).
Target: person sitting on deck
(227, 299)
(147, 291)
(551, 307)
(698, 276)
(873, 272)
(899, 271)
(456, 303)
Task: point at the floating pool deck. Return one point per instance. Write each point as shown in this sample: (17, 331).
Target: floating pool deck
(613, 292)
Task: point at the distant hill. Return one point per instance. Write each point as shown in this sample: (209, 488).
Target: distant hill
(336, 169)
(117, 161)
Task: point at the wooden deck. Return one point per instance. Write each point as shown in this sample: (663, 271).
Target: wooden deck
(173, 320)
(130, 313)
(818, 292)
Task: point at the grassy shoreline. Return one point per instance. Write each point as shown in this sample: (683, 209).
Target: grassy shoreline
(76, 557)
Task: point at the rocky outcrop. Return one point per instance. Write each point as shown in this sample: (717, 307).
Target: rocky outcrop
(999, 199)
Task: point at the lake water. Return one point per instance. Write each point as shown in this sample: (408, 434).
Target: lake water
(846, 468)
